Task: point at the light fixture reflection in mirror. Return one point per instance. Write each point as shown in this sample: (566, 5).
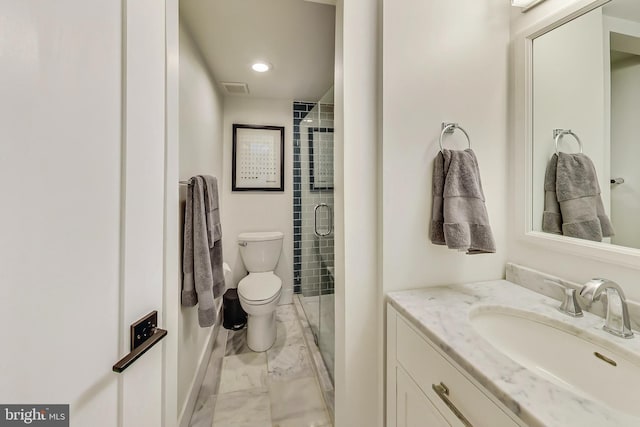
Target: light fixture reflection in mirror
(525, 4)
(586, 77)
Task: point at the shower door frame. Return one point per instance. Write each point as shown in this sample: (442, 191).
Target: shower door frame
(313, 242)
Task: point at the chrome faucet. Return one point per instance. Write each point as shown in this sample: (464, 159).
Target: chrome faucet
(617, 319)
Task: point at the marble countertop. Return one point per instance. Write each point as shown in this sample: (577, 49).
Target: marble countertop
(442, 314)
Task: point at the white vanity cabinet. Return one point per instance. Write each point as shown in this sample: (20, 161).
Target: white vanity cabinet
(426, 389)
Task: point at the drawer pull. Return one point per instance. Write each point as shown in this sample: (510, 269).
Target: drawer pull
(443, 392)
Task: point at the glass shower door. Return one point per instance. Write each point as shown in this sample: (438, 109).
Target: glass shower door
(313, 137)
(324, 248)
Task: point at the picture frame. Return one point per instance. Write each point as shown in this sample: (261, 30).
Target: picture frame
(321, 159)
(258, 158)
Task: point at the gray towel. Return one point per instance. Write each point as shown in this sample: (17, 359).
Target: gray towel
(202, 261)
(551, 217)
(459, 216)
(578, 195)
(214, 229)
(189, 297)
(214, 233)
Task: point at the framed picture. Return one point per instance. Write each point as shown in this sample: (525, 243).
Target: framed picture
(321, 158)
(258, 158)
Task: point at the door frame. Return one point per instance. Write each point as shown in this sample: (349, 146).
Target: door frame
(171, 299)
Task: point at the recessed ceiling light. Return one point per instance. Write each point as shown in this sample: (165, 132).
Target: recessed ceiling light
(261, 67)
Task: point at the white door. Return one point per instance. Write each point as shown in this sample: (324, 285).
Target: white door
(81, 215)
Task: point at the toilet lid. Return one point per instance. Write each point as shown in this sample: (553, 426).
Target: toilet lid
(259, 286)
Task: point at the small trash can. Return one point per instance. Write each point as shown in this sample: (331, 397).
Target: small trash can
(234, 316)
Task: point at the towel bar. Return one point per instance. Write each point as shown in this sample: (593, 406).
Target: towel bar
(450, 128)
(559, 133)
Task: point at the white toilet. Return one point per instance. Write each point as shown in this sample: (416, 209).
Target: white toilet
(259, 292)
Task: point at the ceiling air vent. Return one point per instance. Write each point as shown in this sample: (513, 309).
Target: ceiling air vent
(235, 88)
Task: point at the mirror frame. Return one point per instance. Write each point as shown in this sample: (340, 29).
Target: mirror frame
(521, 132)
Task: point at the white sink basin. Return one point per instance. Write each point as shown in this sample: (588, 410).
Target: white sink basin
(564, 355)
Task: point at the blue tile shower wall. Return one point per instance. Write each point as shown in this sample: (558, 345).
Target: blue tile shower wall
(300, 111)
(313, 257)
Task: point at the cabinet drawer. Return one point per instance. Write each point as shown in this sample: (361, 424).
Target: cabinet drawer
(428, 367)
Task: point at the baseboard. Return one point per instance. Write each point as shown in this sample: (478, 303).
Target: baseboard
(286, 297)
(190, 402)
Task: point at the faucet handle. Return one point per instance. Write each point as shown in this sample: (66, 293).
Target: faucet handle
(570, 303)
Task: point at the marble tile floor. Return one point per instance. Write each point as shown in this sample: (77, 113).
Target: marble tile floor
(281, 387)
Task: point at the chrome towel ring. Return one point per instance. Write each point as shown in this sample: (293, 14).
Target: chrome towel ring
(559, 133)
(450, 128)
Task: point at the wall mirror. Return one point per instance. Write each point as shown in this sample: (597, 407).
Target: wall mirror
(585, 79)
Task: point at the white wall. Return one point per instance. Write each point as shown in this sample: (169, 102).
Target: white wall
(438, 69)
(358, 321)
(258, 210)
(430, 73)
(568, 93)
(200, 151)
(566, 261)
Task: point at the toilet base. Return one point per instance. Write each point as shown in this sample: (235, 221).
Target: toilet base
(261, 331)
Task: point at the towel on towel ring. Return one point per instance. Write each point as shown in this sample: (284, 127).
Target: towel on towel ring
(459, 216)
(203, 274)
(572, 203)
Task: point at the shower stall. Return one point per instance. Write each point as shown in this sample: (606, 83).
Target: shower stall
(313, 206)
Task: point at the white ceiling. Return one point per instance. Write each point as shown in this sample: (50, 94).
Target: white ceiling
(297, 37)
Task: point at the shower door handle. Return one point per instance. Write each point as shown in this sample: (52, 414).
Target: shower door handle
(315, 220)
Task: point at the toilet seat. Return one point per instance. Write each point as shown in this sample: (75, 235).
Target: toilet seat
(260, 288)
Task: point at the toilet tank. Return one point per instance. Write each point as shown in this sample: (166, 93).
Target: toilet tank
(260, 251)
